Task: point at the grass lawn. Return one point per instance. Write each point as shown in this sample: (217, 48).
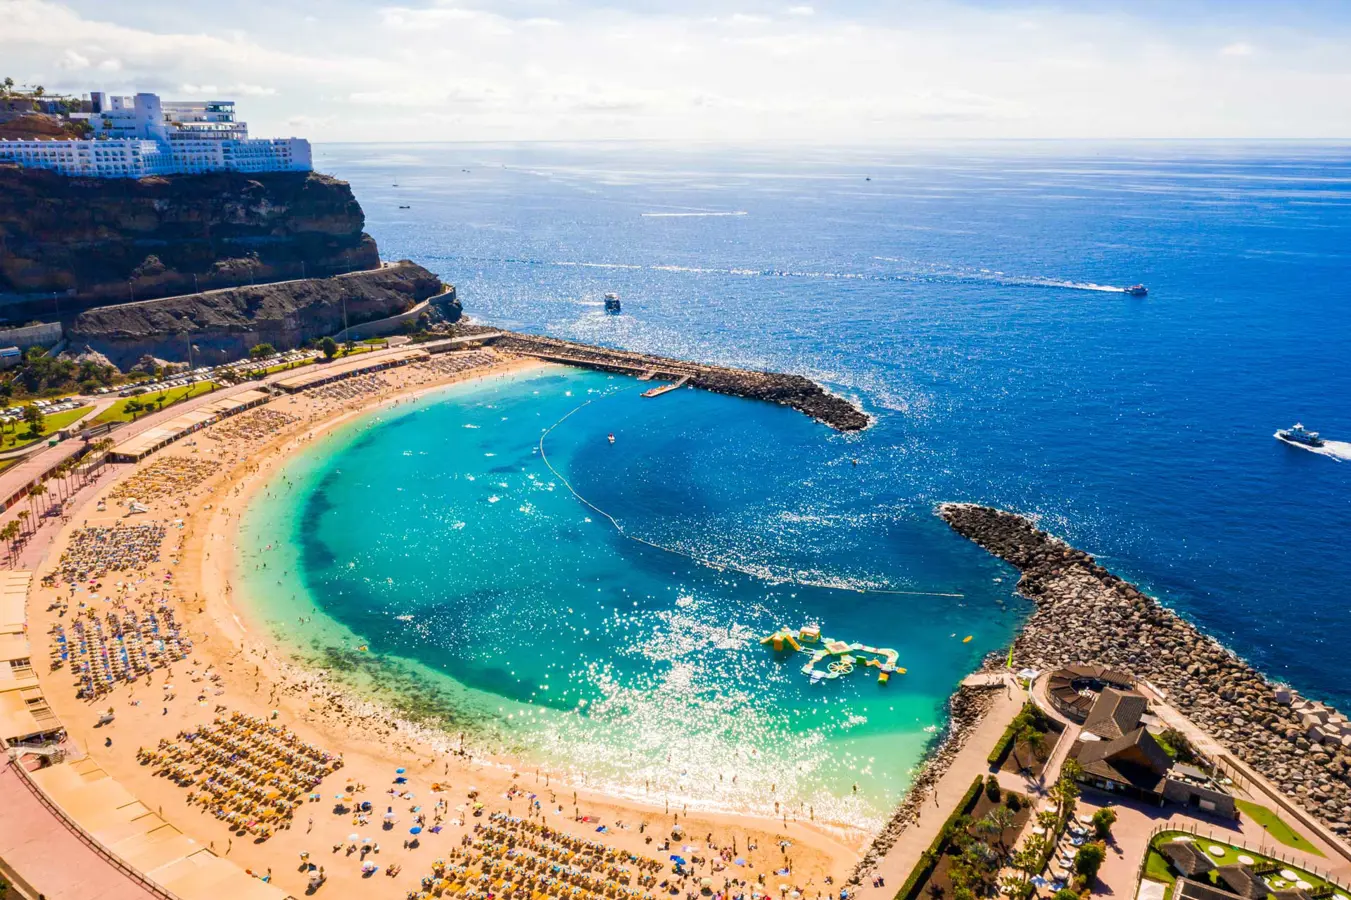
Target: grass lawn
(54, 422)
(1276, 827)
(1229, 855)
(1156, 868)
(117, 412)
(280, 367)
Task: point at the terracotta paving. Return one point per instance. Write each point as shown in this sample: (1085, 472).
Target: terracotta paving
(49, 856)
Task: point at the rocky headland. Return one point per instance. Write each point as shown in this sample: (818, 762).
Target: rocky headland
(223, 325)
(1085, 614)
(795, 391)
(68, 244)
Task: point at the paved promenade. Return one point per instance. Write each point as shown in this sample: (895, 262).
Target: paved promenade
(970, 761)
(48, 855)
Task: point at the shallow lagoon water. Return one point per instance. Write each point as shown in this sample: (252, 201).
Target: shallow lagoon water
(436, 535)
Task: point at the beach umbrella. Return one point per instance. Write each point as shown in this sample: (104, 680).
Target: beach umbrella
(400, 771)
(739, 861)
(416, 829)
(354, 837)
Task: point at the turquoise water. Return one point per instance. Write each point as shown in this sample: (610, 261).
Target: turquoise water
(493, 599)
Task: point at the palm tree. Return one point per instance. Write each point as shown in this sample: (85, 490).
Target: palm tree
(59, 473)
(10, 533)
(1036, 742)
(34, 492)
(23, 519)
(1063, 792)
(1025, 736)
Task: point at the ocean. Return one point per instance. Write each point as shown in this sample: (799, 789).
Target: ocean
(968, 297)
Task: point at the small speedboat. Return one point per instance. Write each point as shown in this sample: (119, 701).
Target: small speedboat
(1136, 290)
(612, 437)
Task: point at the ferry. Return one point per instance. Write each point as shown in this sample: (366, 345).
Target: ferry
(1136, 290)
(1300, 435)
(612, 303)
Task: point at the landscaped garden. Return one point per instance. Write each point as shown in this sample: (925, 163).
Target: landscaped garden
(972, 846)
(1026, 744)
(1277, 874)
(132, 408)
(22, 434)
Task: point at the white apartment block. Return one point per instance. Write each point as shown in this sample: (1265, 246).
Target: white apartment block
(138, 136)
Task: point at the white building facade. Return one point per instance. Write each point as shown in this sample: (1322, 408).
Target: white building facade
(138, 136)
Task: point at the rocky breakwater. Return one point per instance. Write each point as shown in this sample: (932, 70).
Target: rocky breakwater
(71, 243)
(1085, 614)
(223, 325)
(794, 391)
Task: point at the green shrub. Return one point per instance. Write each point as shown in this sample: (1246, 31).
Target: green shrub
(1103, 820)
(1088, 860)
(928, 860)
(1012, 802)
(992, 788)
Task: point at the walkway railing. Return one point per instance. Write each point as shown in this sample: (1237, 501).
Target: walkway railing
(83, 836)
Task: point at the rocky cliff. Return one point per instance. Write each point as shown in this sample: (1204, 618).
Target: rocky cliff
(224, 324)
(71, 243)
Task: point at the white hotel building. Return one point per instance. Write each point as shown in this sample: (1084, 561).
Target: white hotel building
(138, 136)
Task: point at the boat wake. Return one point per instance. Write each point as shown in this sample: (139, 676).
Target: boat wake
(693, 215)
(924, 276)
(994, 276)
(1338, 450)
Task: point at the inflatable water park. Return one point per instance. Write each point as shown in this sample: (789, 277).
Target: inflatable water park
(841, 658)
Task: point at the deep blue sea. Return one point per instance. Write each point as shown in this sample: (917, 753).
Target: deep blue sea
(968, 297)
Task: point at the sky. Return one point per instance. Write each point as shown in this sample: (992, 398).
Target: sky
(849, 72)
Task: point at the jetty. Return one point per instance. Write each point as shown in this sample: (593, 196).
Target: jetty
(795, 391)
(666, 388)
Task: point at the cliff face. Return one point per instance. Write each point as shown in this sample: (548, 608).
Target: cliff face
(94, 241)
(224, 324)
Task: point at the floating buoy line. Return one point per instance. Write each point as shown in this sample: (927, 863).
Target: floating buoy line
(720, 566)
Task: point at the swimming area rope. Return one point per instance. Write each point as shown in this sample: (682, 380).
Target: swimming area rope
(691, 556)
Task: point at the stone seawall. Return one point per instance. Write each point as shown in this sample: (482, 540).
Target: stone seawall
(795, 391)
(1085, 614)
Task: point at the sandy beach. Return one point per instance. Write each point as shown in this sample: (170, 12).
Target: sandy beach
(203, 484)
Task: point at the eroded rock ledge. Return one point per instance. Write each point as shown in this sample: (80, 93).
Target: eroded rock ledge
(1085, 614)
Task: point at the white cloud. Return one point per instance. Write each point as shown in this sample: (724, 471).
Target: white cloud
(72, 61)
(560, 69)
